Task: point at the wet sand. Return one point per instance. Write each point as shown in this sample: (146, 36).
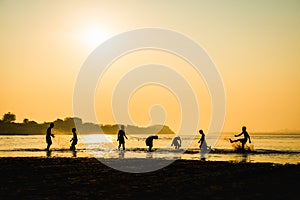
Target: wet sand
(87, 178)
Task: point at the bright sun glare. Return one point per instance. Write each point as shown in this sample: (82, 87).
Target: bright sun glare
(93, 36)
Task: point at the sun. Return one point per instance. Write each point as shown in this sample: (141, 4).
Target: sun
(93, 36)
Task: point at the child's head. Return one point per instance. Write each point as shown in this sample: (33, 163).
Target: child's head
(74, 130)
(122, 127)
(201, 131)
(244, 128)
(51, 125)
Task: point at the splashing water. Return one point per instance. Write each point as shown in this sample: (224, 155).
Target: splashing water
(237, 146)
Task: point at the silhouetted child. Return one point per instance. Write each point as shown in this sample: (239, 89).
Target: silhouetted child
(242, 140)
(202, 141)
(49, 135)
(176, 142)
(149, 141)
(121, 137)
(74, 140)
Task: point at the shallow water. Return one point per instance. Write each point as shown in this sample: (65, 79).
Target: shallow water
(274, 148)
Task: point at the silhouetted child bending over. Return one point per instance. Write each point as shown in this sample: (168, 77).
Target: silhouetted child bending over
(176, 142)
(49, 135)
(121, 137)
(149, 141)
(74, 140)
(242, 140)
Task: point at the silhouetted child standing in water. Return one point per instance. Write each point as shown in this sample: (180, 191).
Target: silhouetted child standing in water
(74, 140)
(203, 145)
(49, 135)
(242, 140)
(149, 141)
(121, 137)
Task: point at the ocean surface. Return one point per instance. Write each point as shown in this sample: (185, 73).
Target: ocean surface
(265, 147)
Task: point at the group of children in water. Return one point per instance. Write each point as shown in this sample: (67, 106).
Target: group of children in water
(122, 136)
(149, 140)
(49, 134)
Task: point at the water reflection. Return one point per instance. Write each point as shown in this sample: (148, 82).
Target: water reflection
(121, 154)
(149, 155)
(74, 153)
(245, 158)
(203, 156)
(48, 153)
(242, 158)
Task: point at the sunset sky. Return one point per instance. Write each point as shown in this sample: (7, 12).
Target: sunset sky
(254, 44)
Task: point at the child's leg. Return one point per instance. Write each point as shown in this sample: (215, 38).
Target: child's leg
(48, 146)
(243, 145)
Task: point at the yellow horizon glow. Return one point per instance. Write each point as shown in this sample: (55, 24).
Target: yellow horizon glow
(254, 44)
(140, 114)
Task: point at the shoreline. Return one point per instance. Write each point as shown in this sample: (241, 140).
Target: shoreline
(80, 178)
(113, 159)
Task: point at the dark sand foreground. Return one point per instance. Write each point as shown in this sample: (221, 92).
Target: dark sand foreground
(87, 178)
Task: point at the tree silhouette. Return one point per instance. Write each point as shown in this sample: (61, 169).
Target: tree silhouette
(9, 117)
(25, 121)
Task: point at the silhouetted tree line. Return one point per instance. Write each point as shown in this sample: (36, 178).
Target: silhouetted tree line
(8, 126)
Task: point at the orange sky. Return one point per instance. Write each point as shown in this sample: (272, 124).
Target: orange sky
(254, 44)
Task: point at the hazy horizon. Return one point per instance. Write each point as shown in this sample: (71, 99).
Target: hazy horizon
(284, 131)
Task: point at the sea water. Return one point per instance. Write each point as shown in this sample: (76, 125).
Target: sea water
(266, 147)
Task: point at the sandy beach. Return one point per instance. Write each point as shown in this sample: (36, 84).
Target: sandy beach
(87, 178)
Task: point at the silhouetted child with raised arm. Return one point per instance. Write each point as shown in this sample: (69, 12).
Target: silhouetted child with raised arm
(49, 135)
(203, 145)
(242, 140)
(74, 140)
(121, 137)
(149, 141)
(176, 142)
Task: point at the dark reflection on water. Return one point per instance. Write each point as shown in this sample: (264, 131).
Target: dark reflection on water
(74, 153)
(121, 154)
